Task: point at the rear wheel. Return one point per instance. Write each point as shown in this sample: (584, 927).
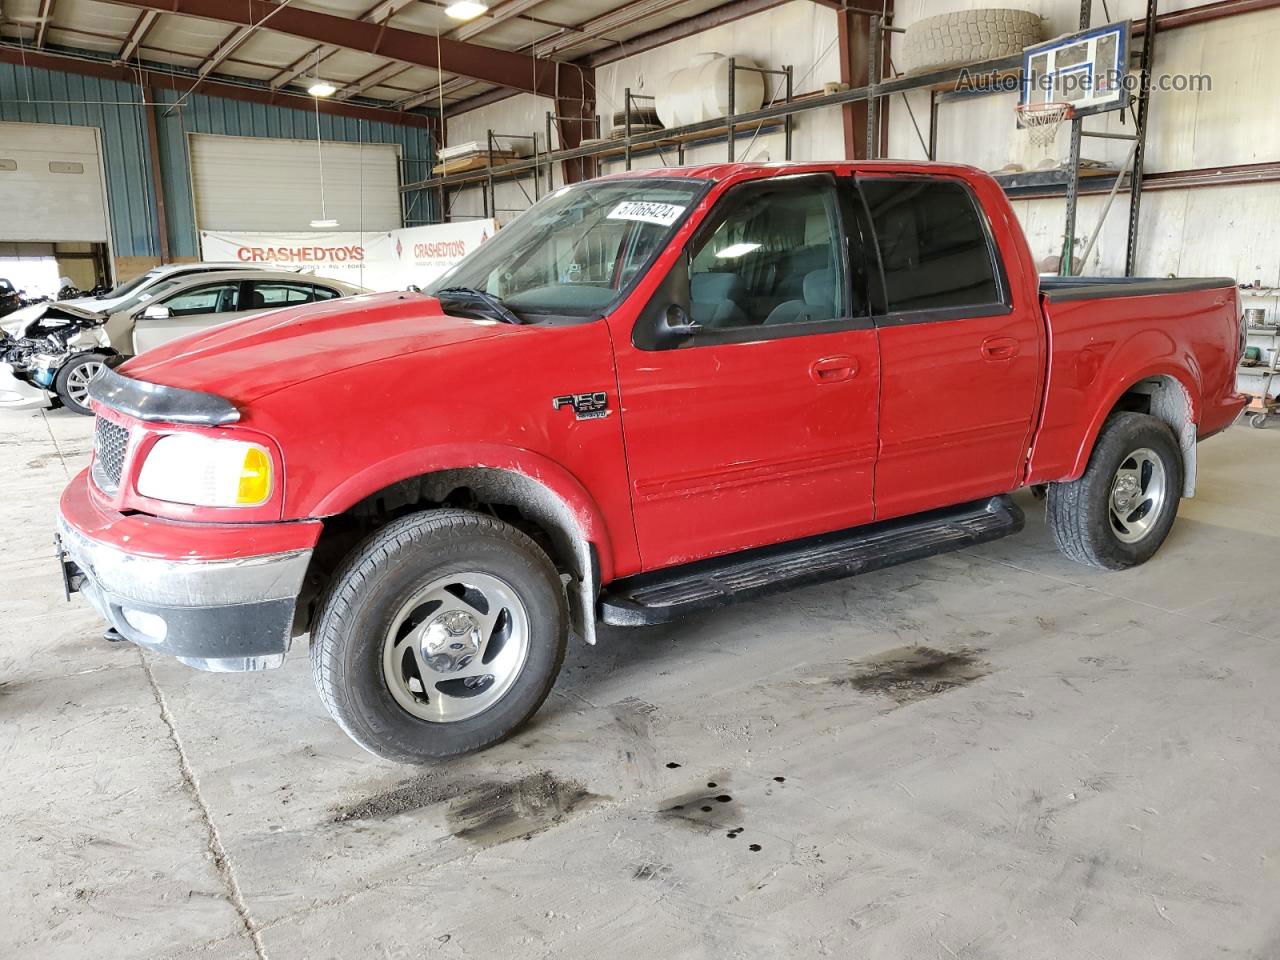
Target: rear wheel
(72, 382)
(1119, 512)
(441, 635)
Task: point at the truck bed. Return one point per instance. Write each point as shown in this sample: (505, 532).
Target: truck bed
(1061, 289)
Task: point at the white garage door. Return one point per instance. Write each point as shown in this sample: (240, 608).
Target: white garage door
(51, 187)
(252, 183)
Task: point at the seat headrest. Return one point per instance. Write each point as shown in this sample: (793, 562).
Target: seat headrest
(259, 299)
(820, 288)
(714, 286)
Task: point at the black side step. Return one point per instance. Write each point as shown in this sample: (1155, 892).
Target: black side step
(664, 595)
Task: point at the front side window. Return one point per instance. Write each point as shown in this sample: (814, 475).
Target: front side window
(576, 252)
(214, 298)
(772, 257)
(933, 245)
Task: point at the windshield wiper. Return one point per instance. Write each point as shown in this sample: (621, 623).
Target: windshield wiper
(495, 305)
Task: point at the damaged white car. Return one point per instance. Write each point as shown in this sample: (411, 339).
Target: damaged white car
(49, 352)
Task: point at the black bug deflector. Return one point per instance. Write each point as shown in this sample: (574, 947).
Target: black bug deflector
(667, 594)
(157, 403)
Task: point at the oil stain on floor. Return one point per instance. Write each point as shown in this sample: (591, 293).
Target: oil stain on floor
(908, 674)
(483, 812)
(491, 813)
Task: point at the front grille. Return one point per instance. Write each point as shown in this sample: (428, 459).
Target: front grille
(110, 442)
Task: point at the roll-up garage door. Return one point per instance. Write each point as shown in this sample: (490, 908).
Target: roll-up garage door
(259, 184)
(51, 187)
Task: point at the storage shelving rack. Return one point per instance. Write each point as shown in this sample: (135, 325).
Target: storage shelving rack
(734, 126)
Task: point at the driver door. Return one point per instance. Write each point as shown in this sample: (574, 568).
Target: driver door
(761, 426)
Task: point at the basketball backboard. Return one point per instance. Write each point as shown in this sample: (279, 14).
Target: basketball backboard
(1088, 70)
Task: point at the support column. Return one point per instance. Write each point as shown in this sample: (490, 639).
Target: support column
(576, 120)
(157, 176)
(1140, 145)
(852, 44)
(1066, 264)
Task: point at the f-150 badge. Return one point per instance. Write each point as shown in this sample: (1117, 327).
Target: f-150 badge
(586, 406)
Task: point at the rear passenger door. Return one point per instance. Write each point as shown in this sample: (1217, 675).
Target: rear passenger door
(960, 361)
(273, 294)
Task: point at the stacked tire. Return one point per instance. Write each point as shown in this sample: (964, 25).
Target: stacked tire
(969, 36)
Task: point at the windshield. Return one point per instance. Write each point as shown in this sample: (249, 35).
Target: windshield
(146, 295)
(127, 288)
(576, 252)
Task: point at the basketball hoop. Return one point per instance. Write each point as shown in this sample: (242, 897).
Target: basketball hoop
(1042, 120)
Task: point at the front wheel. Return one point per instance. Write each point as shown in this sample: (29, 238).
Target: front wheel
(72, 382)
(1119, 512)
(441, 635)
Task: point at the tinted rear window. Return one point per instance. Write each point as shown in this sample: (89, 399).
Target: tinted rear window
(933, 245)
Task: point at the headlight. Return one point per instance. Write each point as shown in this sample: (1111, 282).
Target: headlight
(206, 472)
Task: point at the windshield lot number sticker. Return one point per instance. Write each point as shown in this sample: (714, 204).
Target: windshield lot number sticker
(661, 213)
(586, 406)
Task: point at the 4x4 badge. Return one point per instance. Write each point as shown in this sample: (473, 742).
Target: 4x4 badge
(586, 406)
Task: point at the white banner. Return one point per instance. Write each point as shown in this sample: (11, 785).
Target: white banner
(377, 261)
(426, 252)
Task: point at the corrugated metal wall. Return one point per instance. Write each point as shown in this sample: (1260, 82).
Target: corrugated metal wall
(30, 95)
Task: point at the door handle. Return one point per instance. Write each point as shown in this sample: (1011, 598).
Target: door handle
(996, 349)
(833, 369)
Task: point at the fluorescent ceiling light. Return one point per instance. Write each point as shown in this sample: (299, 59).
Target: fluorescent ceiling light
(322, 88)
(736, 250)
(466, 9)
(323, 224)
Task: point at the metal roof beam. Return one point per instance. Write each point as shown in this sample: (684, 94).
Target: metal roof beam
(372, 79)
(141, 27)
(317, 55)
(232, 42)
(312, 58)
(45, 15)
(595, 29)
(512, 8)
(180, 83)
(517, 71)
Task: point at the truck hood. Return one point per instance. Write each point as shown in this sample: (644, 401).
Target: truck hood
(252, 357)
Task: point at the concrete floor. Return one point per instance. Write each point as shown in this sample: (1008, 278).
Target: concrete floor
(1077, 764)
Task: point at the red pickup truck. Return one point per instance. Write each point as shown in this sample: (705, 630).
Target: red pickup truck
(651, 394)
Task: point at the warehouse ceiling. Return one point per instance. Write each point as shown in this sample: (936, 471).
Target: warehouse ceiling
(399, 54)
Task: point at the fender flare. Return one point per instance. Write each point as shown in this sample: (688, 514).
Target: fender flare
(539, 486)
(1191, 394)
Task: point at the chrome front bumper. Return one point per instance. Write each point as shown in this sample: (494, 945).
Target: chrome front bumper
(221, 615)
(17, 394)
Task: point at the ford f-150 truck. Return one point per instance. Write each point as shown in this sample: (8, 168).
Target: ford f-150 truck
(651, 394)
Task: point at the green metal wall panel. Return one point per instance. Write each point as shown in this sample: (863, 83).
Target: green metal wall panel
(31, 95)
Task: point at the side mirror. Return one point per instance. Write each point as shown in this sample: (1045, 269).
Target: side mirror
(675, 324)
(156, 312)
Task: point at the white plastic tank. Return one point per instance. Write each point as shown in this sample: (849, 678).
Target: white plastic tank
(701, 91)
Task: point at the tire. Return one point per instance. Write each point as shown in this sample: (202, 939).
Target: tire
(365, 679)
(968, 36)
(72, 382)
(1082, 515)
